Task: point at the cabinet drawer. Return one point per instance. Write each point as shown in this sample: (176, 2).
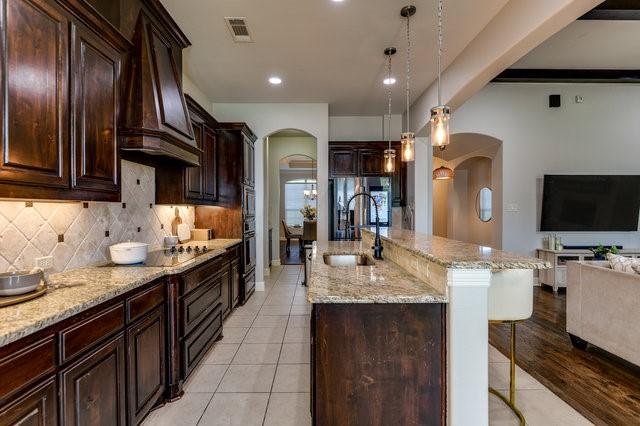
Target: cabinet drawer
(196, 344)
(36, 407)
(26, 366)
(200, 303)
(144, 302)
(87, 332)
(198, 276)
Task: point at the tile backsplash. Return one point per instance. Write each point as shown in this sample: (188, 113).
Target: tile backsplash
(78, 234)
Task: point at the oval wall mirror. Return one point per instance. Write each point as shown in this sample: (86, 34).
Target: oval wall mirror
(483, 204)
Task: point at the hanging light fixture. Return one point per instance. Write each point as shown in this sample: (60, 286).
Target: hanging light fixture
(443, 172)
(408, 137)
(389, 153)
(312, 194)
(440, 114)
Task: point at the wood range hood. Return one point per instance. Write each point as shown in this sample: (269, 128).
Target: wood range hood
(155, 116)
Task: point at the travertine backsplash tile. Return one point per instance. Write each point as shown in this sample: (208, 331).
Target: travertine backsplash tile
(27, 233)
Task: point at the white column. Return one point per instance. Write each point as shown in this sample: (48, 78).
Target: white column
(423, 186)
(468, 347)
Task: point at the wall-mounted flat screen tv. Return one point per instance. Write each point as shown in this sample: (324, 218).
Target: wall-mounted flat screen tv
(603, 203)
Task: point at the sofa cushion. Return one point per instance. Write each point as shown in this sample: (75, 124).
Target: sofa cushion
(623, 264)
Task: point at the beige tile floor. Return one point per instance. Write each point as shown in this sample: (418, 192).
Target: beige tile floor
(258, 374)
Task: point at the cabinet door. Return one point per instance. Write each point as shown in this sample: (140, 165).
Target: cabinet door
(193, 175)
(371, 162)
(342, 162)
(210, 175)
(34, 126)
(235, 282)
(36, 408)
(146, 364)
(95, 102)
(93, 389)
(248, 171)
(226, 293)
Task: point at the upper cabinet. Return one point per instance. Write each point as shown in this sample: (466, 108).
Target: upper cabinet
(61, 98)
(193, 185)
(156, 119)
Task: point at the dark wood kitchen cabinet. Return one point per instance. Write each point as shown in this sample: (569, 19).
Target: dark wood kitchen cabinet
(236, 278)
(146, 362)
(343, 162)
(371, 162)
(93, 388)
(37, 407)
(59, 119)
(193, 185)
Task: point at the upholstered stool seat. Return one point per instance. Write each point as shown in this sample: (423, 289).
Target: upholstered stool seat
(510, 300)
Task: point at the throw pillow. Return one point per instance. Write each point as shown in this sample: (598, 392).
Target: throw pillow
(623, 264)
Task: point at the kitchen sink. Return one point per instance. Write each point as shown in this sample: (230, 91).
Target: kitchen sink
(347, 260)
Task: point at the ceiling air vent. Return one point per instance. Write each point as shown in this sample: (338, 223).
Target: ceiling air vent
(239, 29)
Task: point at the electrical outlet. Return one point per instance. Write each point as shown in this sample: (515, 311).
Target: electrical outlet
(45, 262)
(512, 207)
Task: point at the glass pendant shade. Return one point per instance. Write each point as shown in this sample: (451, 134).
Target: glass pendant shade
(443, 173)
(440, 116)
(408, 146)
(389, 160)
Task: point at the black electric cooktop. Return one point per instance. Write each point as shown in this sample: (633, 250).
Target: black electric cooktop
(169, 257)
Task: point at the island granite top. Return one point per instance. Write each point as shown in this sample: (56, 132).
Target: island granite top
(382, 282)
(77, 290)
(454, 254)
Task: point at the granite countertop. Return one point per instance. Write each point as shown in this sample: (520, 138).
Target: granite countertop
(77, 290)
(454, 254)
(382, 282)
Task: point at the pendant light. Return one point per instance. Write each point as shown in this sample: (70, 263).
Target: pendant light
(443, 172)
(389, 153)
(440, 114)
(408, 137)
(312, 194)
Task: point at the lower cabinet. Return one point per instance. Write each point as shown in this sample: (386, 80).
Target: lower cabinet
(146, 364)
(93, 388)
(111, 364)
(37, 407)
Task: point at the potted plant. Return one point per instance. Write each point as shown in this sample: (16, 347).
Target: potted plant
(308, 212)
(601, 252)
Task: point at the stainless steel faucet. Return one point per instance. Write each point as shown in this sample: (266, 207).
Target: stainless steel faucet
(377, 246)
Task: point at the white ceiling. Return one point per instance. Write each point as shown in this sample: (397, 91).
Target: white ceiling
(588, 45)
(324, 51)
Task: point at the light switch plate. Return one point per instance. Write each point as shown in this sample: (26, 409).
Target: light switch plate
(512, 208)
(45, 262)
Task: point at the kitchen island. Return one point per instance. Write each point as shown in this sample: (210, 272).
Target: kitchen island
(403, 340)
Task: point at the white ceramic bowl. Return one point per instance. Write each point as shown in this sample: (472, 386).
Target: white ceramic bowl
(19, 282)
(128, 253)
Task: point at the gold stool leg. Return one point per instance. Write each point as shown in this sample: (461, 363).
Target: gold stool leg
(511, 401)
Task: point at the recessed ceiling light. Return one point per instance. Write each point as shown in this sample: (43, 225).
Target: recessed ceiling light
(389, 81)
(275, 80)
(337, 1)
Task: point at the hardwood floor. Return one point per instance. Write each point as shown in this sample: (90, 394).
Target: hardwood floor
(294, 257)
(602, 387)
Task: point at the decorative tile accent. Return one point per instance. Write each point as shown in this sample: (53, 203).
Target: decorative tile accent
(79, 234)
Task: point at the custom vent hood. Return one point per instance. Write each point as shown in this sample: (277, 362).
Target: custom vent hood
(156, 119)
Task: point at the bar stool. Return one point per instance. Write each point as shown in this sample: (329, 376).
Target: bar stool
(510, 300)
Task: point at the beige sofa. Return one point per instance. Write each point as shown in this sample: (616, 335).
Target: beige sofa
(603, 308)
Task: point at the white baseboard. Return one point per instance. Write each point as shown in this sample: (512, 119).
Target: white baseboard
(260, 286)
(275, 262)
(267, 272)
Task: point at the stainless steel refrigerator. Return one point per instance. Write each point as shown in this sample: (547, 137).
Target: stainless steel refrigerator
(345, 224)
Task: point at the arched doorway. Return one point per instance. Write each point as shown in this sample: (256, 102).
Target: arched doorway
(291, 168)
(469, 206)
